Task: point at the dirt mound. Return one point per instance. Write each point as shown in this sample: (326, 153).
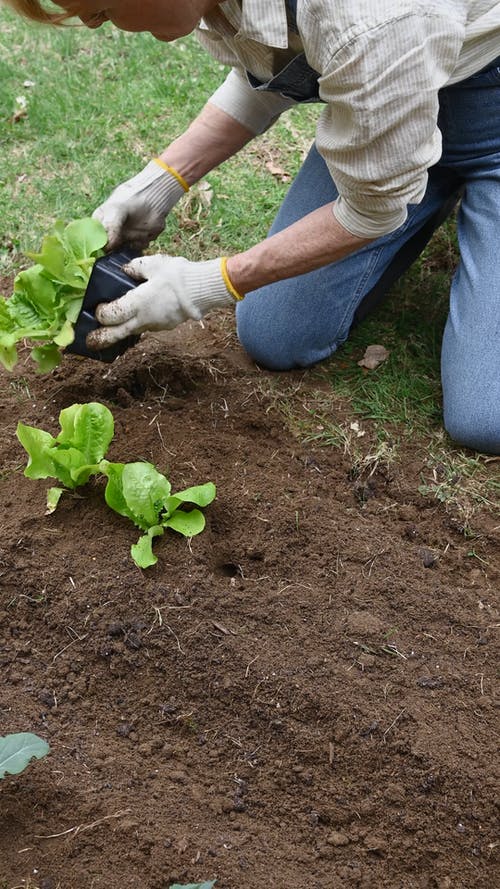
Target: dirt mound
(300, 696)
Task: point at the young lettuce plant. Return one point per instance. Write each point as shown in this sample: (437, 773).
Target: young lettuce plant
(16, 751)
(142, 494)
(47, 297)
(134, 490)
(75, 454)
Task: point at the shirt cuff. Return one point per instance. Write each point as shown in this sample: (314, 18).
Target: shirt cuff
(255, 110)
(367, 226)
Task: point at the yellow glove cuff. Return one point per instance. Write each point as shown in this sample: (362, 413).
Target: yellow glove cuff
(164, 166)
(227, 280)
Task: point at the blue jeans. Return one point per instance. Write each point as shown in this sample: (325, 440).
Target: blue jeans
(303, 320)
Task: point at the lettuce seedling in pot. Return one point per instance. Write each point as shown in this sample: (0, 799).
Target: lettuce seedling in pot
(47, 297)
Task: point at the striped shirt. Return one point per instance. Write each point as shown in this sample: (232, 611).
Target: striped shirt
(381, 64)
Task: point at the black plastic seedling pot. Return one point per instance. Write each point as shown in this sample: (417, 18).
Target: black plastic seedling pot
(107, 282)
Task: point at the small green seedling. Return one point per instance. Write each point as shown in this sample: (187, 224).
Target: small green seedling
(48, 296)
(142, 494)
(16, 751)
(75, 454)
(134, 490)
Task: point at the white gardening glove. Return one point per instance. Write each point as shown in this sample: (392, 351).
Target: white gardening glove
(175, 290)
(135, 212)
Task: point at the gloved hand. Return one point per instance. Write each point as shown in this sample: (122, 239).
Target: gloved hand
(135, 212)
(175, 289)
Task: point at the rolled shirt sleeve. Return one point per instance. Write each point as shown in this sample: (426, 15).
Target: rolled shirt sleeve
(255, 110)
(378, 133)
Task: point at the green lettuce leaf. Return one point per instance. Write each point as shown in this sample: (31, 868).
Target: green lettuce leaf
(47, 357)
(65, 254)
(38, 445)
(142, 551)
(84, 237)
(113, 493)
(48, 296)
(6, 322)
(16, 751)
(187, 523)
(89, 427)
(66, 335)
(200, 495)
(138, 491)
(71, 468)
(53, 497)
(141, 493)
(38, 293)
(75, 454)
(8, 353)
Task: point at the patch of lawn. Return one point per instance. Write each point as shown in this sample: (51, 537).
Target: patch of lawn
(81, 111)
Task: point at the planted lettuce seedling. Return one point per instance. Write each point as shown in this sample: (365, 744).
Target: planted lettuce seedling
(142, 494)
(134, 490)
(73, 455)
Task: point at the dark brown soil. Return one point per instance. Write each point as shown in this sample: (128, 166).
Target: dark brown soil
(301, 696)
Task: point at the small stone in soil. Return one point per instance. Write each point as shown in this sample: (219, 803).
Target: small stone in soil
(133, 641)
(46, 697)
(430, 682)
(335, 838)
(116, 629)
(429, 559)
(124, 729)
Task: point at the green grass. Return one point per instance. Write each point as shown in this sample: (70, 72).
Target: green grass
(403, 395)
(381, 416)
(99, 105)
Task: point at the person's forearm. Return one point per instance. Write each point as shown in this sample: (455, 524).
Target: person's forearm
(314, 241)
(211, 138)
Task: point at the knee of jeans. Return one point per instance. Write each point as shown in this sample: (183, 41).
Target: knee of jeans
(273, 343)
(261, 342)
(474, 427)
